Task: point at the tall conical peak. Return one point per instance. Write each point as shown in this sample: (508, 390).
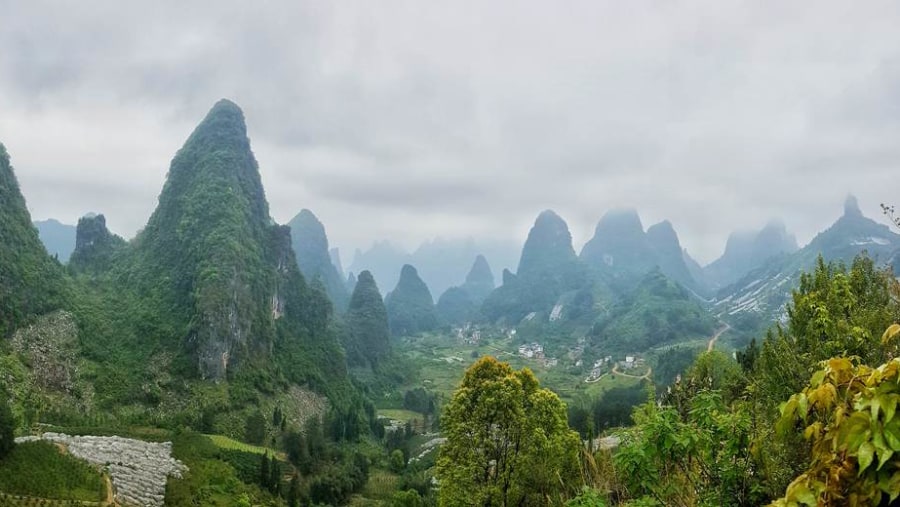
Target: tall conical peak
(549, 244)
(775, 236)
(619, 243)
(215, 158)
(310, 243)
(851, 206)
(410, 306)
(408, 271)
(480, 272)
(663, 231)
(480, 280)
(621, 219)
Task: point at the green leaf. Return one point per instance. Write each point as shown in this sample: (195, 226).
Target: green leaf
(883, 456)
(801, 493)
(892, 436)
(817, 378)
(864, 456)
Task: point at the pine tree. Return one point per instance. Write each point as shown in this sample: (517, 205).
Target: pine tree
(275, 477)
(7, 426)
(264, 471)
(294, 494)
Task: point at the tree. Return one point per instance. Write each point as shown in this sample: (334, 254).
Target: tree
(7, 427)
(275, 477)
(255, 428)
(508, 442)
(848, 412)
(294, 494)
(264, 473)
(835, 312)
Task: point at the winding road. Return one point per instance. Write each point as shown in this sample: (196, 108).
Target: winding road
(712, 341)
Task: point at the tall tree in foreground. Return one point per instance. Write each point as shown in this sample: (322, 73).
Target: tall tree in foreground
(837, 311)
(508, 442)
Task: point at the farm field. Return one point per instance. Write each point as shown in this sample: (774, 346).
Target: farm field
(41, 469)
(223, 442)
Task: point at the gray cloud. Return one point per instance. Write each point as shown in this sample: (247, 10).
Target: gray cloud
(406, 120)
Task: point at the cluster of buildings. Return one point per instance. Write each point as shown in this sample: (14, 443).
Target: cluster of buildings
(532, 351)
(469, 334)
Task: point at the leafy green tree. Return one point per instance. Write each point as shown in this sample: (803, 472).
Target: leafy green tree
(255, 428)
(836, 311)
(849, 413)
(397, 461)
(508, 442)
(408, 498)
(698, 457)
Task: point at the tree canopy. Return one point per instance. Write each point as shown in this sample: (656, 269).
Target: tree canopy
(508, 442)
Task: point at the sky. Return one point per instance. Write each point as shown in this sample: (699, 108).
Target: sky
(409, 120)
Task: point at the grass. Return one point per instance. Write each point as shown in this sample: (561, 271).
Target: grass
(381, 485)
(223, 442)
(399, 414)
(39, 469)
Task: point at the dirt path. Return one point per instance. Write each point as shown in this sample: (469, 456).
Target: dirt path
(616, 371)
(110, 498)
(712, 341)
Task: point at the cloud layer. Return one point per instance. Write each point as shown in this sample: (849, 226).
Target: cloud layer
(408, 120)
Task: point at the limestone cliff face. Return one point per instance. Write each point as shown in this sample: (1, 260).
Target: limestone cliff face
(95, 246)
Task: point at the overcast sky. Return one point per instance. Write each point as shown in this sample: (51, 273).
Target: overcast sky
(410, 120)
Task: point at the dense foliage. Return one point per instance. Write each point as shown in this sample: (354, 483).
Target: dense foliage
(40, 470)
(508, 442)
(31, 283)
(657, 311)
(95, 246)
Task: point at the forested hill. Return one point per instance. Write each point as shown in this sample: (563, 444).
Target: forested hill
(209, 293)
(31, 283)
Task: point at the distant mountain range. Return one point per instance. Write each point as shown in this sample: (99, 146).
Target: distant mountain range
(58, 238)
(441, 263)
(766, 287)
